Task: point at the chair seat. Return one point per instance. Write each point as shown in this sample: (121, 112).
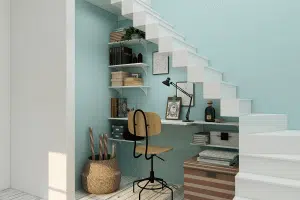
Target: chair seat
(154, 150)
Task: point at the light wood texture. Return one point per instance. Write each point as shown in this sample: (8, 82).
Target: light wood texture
(153, 120)
(152, 149)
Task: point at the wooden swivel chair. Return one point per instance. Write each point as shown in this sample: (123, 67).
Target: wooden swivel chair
(146, 125)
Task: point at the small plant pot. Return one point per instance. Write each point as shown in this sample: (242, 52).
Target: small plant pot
(101, 176)
(135, 36)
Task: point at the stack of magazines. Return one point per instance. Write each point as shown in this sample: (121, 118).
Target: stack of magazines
(201, 138)
(218, 157)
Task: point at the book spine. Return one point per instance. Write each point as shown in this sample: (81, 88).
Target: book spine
(118, 55)
(110, 56)
(122, 55)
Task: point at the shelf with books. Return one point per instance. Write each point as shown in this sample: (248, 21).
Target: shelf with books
(131, 65)
(215, 146)
(120, 88)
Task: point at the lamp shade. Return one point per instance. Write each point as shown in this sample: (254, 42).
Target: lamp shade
(167, 82)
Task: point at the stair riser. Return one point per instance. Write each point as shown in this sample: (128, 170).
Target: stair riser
(156, 31)
(218, 91)
(183, 58)
(141, 19)
(200, 74)
(261, 124)
(270, 167)
(262, 144)
(265, 191)
(169, 45)
(235, 107)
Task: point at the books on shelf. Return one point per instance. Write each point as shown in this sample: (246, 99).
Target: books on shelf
(120, 55)
(201, 138)
(220, 157)
(118, 107)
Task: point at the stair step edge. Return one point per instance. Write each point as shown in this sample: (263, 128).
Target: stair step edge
(282, 157)
(269, 179)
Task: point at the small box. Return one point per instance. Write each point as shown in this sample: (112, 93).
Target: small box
(117, 82)
(119, 75)
(117, 135)
(227, 139)
(132, 81)
(118, 129)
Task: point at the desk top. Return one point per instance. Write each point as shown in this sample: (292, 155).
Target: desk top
(181, 123)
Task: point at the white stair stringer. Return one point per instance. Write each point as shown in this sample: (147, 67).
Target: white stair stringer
(274, 165)
(235, 107)
(201, 74)
(171, 43)
(184, 58)
(279, 142)
(260, 123)
(219, 90)
(260, 187)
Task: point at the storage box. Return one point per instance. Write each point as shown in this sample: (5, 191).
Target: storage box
(227, 139)
(119, 129)
(206, 181)
(132, 81)
(117, 82)
(116, 36)
(119, 75)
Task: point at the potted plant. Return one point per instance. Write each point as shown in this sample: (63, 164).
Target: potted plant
(133, 33)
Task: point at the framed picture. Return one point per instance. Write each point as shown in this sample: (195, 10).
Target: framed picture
(189, 88)
(173, 108)
(160, 63)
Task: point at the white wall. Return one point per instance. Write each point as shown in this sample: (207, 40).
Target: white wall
(4, 96)
(42, 97)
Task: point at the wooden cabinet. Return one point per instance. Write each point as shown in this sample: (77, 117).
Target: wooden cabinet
(208, 182)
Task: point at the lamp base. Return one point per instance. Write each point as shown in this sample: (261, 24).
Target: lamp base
(188, 120)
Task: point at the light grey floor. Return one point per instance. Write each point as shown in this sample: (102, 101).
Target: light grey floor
(125, 193)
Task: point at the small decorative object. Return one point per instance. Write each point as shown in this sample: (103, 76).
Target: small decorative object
(189, 88)
(101, 176)
(122, 107)
(173, 108)
(134, 58)
(92, 143)
(140, 58)
(160, 63)
(210, 113)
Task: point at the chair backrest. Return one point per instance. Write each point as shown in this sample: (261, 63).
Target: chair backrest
(153, 120)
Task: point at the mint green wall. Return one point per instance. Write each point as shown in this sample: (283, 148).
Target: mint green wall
(93, 26)
(256, 43)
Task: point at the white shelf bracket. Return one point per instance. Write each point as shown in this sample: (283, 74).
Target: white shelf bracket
(145, 44)
(145, 90)
(119, 90)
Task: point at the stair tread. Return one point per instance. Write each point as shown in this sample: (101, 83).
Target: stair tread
(281, 133)
(269, 179)
(275, 156)
(240, 198)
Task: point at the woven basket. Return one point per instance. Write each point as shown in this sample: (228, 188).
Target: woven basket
(101, 176)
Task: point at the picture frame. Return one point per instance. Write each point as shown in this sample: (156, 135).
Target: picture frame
(189, 88)
(173, 108)
(160, 63)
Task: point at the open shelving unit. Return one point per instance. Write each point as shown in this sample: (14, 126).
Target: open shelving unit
(120, 88)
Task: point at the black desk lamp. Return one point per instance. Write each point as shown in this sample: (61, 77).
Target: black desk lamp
(168, 83)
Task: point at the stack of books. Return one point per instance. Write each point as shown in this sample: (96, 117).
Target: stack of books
(201, 138)
(120, 55)
(219, 157)
(117, 35)
(117, 78)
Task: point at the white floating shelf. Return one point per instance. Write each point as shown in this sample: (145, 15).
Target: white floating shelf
(179, 122)
(120, 88)
(129, 42)
(131, 65)
(215, 146)
(122, 140)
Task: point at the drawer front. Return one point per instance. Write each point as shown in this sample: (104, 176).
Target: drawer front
(200, 184)
(118, 129)
(220, 138)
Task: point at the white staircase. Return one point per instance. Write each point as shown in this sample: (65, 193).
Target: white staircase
(269, 153)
